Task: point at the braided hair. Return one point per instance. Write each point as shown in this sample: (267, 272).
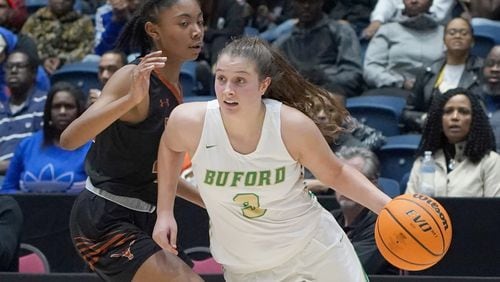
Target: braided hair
(479, 141)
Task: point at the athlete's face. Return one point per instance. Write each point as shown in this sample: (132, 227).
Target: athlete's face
(179, 32)
(237, 83)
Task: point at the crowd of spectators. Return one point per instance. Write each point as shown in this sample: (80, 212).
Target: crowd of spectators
(422, 48)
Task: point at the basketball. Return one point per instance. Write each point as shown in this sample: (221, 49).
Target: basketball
(413, 232)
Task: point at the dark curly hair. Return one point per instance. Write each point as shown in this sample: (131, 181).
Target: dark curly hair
(480, 140)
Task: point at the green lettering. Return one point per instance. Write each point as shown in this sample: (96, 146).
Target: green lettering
(236, 178)
(251, 178)
(280, 175)
(209, 177)
(265, 177)
(221, 178)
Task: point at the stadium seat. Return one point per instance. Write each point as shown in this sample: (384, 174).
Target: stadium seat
(33, 5)
(33, 260)
(397, 155)
(206, 264)
(486, 35)
(482, 45)
(251, 31)
(404, 182)
(81, 74)
(389, 186)
(188, 79)
(380, 112)
(486, 28)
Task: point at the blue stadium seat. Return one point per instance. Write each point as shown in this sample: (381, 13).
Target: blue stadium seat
(81, 74)
(188, 79)
(250, 31)
(404, 182)
(487, 28)
(486, 35)
(482, 45)
(397, 155)
(33, 5)
(389, 186)
(380, 112)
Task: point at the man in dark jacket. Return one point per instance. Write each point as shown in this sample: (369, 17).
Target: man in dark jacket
(324, 51)
(357, 221)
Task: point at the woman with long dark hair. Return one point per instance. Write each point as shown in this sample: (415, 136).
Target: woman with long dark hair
(459, 135)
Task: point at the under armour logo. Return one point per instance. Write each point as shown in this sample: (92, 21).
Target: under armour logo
(164, 102)
(127, 253)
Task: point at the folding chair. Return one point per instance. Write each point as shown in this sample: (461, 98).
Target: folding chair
(34, 261)
(206, 264)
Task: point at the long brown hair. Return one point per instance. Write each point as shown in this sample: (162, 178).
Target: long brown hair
(287, 85)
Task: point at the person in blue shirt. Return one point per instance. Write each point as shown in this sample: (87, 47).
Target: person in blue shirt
(22, 113)
(110, 19)
(9, 42)
(39, 163)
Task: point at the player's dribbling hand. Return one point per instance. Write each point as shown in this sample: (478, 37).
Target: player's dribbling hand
(165, 233)
(141, 74)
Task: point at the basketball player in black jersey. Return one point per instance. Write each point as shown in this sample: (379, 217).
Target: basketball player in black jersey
(113, 219)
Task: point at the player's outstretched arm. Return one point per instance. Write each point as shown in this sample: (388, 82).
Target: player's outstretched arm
(122, 98)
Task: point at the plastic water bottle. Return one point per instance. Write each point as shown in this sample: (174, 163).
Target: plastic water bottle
(427, 172)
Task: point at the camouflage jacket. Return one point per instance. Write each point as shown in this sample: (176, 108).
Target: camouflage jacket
(69, 37)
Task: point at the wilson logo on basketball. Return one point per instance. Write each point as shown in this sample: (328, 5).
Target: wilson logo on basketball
(435, 206)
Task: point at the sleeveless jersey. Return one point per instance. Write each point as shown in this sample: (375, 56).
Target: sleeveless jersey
(122, 161)
(260, 213)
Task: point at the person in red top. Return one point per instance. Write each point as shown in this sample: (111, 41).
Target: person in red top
(13, 14)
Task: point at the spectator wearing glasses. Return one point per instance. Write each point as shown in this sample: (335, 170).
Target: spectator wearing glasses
(9, 41)
(459, 68)
(22, 113)
(39, 163)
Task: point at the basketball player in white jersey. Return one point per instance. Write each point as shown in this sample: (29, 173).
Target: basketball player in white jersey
(248, 148)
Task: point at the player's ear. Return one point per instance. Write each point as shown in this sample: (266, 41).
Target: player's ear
(264, 85)
(152, 30)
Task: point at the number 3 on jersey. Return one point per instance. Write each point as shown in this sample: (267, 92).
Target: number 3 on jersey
(250, 206)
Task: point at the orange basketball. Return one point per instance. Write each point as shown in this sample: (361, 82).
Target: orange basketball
(413, 232)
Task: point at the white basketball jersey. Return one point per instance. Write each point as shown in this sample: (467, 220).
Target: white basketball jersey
(260, 213)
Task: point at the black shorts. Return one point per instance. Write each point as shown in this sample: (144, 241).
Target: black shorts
(113, 240)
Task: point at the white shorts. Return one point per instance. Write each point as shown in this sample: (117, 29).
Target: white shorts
(329, 257)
